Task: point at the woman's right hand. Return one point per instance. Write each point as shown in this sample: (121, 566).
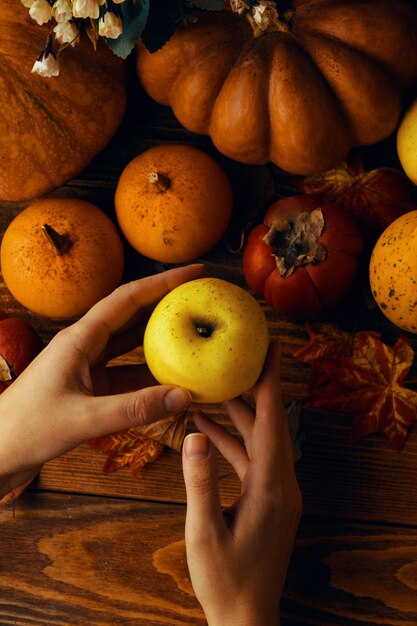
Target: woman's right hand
(238, 558)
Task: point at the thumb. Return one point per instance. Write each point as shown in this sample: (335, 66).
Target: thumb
(108, 414)
(202, 485)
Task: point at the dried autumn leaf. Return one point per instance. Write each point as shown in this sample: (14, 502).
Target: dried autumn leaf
(367, 384)
(15, 493)
(5, 373)
(128, 447)
(326, 341)
(375, 198)
(169, 431)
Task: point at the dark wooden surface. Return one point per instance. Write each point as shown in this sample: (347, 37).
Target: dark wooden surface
(88, 548)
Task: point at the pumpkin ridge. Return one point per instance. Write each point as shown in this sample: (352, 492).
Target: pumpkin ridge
(193, 68)
(241, 53)
(220, 130)
(61, 131)
(347, 46)
(388, 84)
(30, 94)
(376, 17)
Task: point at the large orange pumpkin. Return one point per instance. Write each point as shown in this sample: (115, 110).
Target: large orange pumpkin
(301, 97)
(51, 128)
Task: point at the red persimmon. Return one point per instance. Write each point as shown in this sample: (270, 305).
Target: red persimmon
(19, 344)
(304, 257)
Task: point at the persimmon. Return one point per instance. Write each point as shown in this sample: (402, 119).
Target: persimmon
(19, 344)
(304, 257)
(59, 256)
(173, 203)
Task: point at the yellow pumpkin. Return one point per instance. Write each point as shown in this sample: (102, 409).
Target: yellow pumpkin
(328, 78)
(393, 272)
(51, 128)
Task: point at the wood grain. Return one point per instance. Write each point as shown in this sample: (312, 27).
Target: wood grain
(89, 560)
(367, 480)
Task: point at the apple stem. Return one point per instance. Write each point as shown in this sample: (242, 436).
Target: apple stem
(203, 331)
(60, 243)
(160, 182)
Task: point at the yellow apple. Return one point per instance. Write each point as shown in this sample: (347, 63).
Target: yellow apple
(407, 143)
(209, 336)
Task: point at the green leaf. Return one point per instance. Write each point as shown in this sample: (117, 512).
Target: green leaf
(161, 24)
(134, 14)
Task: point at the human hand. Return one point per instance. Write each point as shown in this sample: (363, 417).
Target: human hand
(238, 558)
(60, 400)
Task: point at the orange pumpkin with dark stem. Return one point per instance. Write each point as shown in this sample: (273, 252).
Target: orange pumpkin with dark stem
(328, 78)
(173, 203)
(51, 128)
(59, 256)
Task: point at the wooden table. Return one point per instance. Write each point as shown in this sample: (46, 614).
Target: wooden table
(89, 548)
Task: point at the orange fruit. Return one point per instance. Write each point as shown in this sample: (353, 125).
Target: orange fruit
(59, 256)
(393, 272)
(173, 203)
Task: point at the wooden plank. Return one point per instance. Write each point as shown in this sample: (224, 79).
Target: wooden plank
(367, 480)
(73, 560)
(88, 560)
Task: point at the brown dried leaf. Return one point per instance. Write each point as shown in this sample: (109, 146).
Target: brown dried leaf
(365, 381)
(169, 431)
(128, 447)
(5, 373)
(15, 493)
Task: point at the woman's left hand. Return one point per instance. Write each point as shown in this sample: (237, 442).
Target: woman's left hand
(60, 400)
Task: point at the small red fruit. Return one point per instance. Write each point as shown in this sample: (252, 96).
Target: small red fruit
(303, 258)
(19, 344)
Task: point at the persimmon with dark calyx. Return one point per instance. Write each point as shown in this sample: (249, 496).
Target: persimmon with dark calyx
(304, 257)
(59, 256)
(19, 345)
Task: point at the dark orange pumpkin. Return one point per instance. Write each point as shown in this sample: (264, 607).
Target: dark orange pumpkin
(302, 97)
(51, 128)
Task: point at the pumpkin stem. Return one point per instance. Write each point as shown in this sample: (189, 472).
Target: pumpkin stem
(295, 243)
(263, 15)
(160, 182)
(60, 243)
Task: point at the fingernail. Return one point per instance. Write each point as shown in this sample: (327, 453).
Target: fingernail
(177, 399)
(196, 446)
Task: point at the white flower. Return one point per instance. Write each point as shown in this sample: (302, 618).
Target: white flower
(41, 11)
(46, 65)
(27, 3)
(62, 10)
(66, 32)
(265, 13)
(87, 8)
(110, 25)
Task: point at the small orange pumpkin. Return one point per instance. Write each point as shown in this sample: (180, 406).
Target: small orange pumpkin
(328, 78)
(393, 272)
(51, 128)
(173, 203)
(59, 256)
